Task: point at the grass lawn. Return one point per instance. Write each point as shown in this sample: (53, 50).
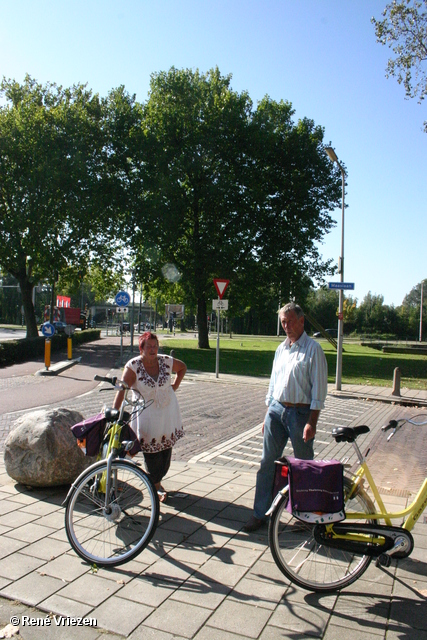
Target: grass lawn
(252, 356)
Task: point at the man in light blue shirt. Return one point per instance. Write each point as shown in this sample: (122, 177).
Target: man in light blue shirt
(296, 394)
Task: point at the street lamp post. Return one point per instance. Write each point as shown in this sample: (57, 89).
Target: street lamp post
(332, 155)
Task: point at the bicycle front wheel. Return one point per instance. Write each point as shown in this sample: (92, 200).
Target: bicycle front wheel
(113, 531)
(309, 564)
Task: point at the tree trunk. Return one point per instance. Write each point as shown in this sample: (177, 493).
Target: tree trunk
(202, 323)
(27, 303)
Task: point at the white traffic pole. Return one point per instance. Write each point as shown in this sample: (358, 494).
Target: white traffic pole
(217, 342)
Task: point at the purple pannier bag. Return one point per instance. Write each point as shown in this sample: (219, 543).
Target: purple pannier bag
(89, 434)
(315, 486)
(280, 476)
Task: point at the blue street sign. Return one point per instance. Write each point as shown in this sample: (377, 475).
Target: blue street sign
(48, 329)
(341, 285)
(122, 299)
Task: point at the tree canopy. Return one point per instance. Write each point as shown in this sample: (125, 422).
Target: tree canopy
(64, 182)
(195, 177)
(230, 191)
(404, 29)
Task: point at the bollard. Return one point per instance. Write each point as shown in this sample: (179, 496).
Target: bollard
(396, 382)
(47, 353)
(70, 348)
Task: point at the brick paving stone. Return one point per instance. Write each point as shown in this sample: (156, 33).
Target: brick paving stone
(90, 588)
(46, 548)
(302, 619)
(249, 591)
(32, 588)
(30, 532)
(65, 567)
(238, 618)
(150, 592)
(361, 612)
(213, 570)
(17, 518)
(120, 616)
(210, 633)
(18, 565)
(396, 633)
(178, 618)
(145, 633)
(65, 607)
(9, 546)
(335, 632)
(201, 593)
(237, 555)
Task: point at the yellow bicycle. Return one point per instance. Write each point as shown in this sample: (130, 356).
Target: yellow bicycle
(112, 508)
(328, 557)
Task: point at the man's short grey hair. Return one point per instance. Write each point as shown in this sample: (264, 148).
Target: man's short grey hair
(291, 306)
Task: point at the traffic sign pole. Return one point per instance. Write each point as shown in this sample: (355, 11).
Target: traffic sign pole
(217, 343)
(220, 286)
(47, 345)
(122, 299)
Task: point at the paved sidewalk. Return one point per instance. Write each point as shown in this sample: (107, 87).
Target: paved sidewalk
(202, 577)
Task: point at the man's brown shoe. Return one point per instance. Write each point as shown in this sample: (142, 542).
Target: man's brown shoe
(253, 524)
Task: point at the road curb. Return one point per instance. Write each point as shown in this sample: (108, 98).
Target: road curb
(57, 368)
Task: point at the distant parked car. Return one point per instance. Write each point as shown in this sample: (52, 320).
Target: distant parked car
(332, 332)
(59, 326)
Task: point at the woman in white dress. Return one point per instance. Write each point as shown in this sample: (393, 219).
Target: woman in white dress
(159, 426)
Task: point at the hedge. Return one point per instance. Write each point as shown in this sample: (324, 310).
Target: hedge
(15, 351)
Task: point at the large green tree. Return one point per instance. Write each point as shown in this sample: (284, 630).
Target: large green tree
(229, 191)
(51, 182)
(67, 185)
(322, 304)
(404, 29)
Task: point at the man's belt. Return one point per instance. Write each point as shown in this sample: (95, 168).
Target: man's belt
(297, 404)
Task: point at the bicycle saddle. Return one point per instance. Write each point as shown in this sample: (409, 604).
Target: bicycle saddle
(348, 434)
(112, 414)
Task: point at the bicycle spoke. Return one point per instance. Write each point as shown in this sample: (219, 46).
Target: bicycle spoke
(114, 534)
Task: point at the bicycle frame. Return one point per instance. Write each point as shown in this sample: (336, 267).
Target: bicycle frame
(113, 447)
(410, 515)
(112, 450)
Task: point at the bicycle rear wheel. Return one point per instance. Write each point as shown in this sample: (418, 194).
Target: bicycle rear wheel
(309, 564)
(113, 535)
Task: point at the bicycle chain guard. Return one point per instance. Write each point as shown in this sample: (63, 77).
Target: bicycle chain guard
(389, 535)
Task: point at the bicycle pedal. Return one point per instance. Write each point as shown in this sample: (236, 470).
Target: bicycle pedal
(383, 560)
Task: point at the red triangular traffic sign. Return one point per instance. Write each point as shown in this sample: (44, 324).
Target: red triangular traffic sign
(220, 286)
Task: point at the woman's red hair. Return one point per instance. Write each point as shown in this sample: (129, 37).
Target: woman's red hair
(143, 338)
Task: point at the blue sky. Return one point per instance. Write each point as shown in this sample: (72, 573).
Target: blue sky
(321, 55)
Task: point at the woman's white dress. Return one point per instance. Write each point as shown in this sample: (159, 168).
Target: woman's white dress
(159, 426)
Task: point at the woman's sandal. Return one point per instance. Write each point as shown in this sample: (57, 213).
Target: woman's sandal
(163, 495)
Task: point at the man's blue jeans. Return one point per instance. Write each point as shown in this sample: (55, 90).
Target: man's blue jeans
(280, 424)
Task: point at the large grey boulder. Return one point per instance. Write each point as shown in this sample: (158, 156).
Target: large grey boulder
(41, 451)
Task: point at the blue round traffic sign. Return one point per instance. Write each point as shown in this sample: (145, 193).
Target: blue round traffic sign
(48, 329)
(122, 299)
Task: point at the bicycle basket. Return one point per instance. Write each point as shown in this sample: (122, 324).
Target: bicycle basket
(128, 433)
(89, 434)
(316, 490)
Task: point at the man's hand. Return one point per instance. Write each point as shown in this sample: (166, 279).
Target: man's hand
(309, 432)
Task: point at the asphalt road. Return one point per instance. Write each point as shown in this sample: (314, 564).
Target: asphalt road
(21, 389)
(12, 334)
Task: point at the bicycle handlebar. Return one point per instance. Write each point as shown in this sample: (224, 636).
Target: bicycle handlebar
(397, 424)
(391, 425)
(118, 384)
(106, 379)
